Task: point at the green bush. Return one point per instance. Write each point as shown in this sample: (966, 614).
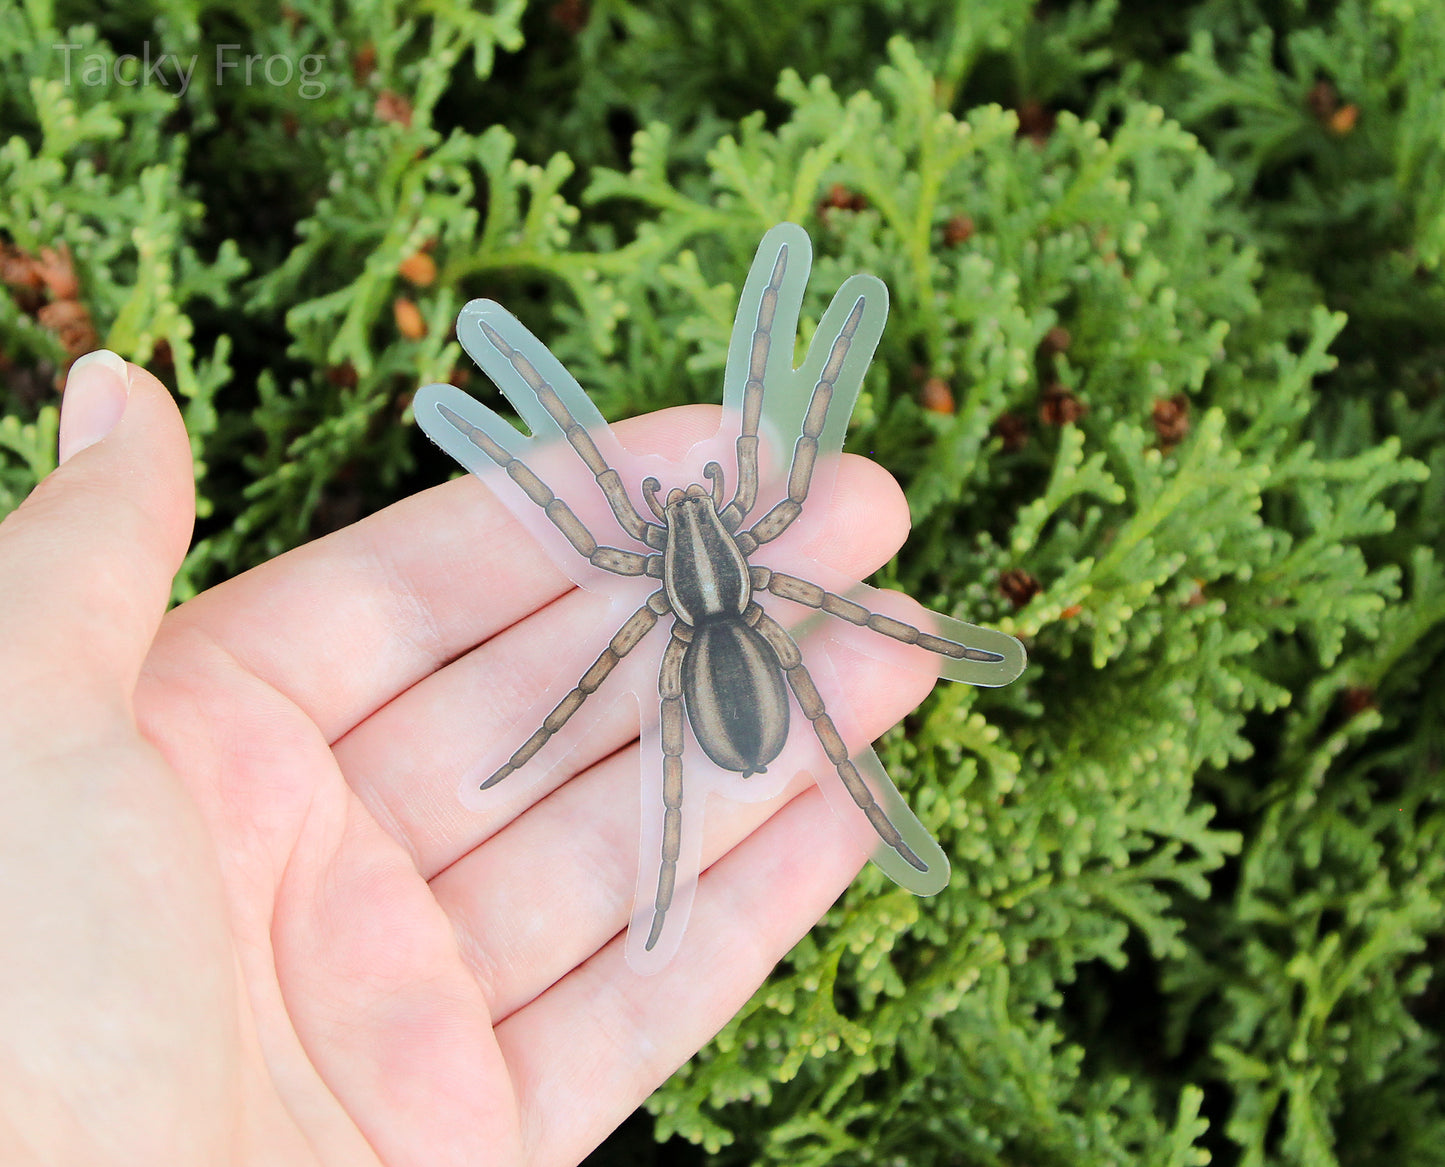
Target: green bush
(1163, 383)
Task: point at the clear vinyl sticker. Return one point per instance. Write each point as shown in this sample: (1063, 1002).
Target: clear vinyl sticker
(733, 637)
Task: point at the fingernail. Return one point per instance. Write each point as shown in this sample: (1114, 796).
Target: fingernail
(96, 390)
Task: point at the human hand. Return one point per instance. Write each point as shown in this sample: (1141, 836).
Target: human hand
(246, 918)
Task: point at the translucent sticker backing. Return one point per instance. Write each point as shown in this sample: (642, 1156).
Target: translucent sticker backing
(737, 636)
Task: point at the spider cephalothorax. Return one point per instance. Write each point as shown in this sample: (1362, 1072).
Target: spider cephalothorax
(730, 670)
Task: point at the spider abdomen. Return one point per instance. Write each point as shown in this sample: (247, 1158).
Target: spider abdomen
(735, 697)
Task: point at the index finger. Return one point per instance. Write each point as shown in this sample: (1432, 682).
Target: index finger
(343, 624)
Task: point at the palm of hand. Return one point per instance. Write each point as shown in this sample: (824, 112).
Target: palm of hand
(350, 966)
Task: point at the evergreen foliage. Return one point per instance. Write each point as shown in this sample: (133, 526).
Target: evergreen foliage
(1162, 381)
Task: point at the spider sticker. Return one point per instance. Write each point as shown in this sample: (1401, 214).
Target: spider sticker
(732, 638)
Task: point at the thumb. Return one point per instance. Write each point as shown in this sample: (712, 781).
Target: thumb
(86, 562)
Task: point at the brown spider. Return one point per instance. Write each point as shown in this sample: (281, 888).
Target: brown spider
(729, 666)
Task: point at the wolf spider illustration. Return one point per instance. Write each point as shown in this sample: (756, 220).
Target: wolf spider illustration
(728, 666)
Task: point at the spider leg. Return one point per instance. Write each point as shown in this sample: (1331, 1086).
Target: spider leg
(669, 686)
(638, 625)
(747, 486)
(800, 591)
(607, 478)
(805, 452)
(611, 559)
(801, 682)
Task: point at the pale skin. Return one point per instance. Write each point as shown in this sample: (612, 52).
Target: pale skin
(245, 918)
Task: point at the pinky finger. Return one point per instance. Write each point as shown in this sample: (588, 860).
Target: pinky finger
(608, 1036)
